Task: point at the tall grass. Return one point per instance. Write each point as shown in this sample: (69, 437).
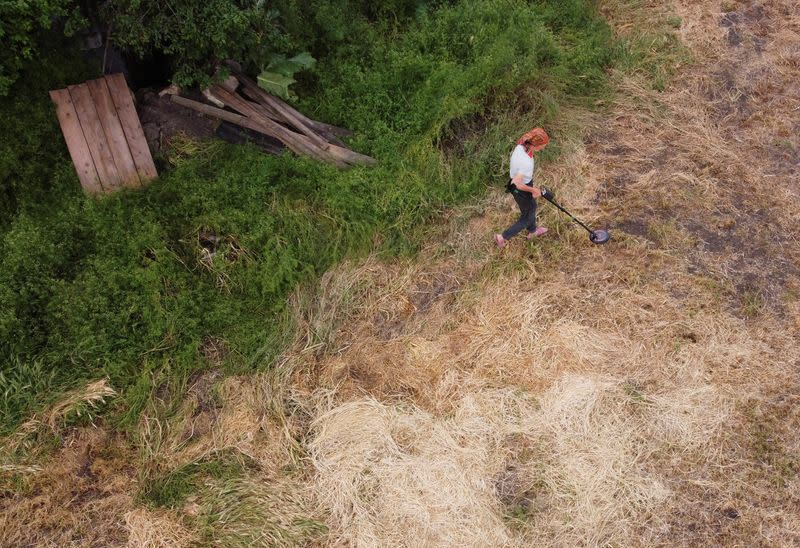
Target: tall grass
(130, 286)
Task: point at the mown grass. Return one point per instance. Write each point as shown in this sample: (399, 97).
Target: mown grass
(129, 286)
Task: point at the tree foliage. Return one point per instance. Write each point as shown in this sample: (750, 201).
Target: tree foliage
(22, 22)
(196, 34)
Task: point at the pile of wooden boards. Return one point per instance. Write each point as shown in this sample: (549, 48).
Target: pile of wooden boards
(103, 134)
(257, 110)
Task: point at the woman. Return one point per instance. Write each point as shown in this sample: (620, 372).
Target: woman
(521, 185)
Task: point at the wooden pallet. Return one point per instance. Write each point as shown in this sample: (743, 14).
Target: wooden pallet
(103, 134)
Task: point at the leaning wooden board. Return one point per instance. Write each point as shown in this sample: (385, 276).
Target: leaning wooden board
(103, 134)
(95, 137)
(76, 142)
(115, 135)
(131, 126)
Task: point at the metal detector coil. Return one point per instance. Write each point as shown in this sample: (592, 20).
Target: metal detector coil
(599, 236)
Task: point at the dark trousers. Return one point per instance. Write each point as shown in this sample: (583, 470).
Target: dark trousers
(527, 217)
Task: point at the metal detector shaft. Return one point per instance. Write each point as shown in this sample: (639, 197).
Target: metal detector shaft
(571, 216)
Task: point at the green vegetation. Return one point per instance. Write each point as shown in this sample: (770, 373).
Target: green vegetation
(650, 47)
(172, 489)
(23, 25)
(196, 34)
(278, 75)
(131, 285)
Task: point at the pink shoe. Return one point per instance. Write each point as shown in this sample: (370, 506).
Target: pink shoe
(540, 231)
(500, 241)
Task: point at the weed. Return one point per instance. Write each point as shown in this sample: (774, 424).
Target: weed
(171, 489)
(752, 303)
(767, 445)
(242, 512)
(635, 391)
(729, 6)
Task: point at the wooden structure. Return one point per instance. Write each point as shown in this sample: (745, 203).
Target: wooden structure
(104, 135)
(257, 110)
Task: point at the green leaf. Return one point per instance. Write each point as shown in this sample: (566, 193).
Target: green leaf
(304, 59)
(277, 84)
(279, 64)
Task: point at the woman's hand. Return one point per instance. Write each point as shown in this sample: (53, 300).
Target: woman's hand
(536, 192)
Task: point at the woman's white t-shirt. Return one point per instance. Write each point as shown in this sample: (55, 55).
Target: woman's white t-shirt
(521, 163)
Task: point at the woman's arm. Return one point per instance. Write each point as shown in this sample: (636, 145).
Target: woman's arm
(517, 181)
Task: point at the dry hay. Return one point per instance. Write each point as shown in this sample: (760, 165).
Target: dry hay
(504, 468)
(645, 375)
(155, 529)
(72, 497)
(84, 493)
(667, 382)
(244, 418)
(217, 415)
(615, 315)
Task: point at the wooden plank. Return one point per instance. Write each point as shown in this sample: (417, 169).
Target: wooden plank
(288, 114)
(121, 96)
(115, 136)
(226, 116)
(248, 92)
(214, 112)
(248, 109)
(95, 137)
(76, 142)
(321, 127)
(351, 157)
(297, 142)
(336, 148)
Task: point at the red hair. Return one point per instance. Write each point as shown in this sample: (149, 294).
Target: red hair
(536, 137)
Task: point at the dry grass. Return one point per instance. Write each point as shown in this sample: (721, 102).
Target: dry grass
(259, 511)
(87, 492)
(634, 384)
(217, 415)
(75, 404)
(155, 529)
(662, 392)
(715, 155)
(76, 498)
(505, 468)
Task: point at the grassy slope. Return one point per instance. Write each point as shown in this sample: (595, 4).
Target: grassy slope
(121, 287)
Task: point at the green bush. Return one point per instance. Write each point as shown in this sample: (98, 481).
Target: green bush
(35, 170)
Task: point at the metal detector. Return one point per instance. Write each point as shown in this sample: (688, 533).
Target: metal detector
(595, 236)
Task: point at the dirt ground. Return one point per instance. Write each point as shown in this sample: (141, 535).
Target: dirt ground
(720, 171)
(641, 393)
